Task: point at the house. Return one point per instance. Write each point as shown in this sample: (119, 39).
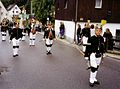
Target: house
(13, 10)
(3, 12)
(72, 12)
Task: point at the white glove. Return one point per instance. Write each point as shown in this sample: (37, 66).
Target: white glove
(55, 39)
(43, 39)
(19, 39)
(86, 58)
(9, 41)
(104, 39)
(104, 55)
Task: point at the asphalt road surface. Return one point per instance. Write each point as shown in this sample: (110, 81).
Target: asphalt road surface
(64, 69)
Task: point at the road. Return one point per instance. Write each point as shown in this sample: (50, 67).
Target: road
(64, 69)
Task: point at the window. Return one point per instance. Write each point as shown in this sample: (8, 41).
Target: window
(16, 11)
(65, 4)
(1, 13)
(15, 7)
(98, 3)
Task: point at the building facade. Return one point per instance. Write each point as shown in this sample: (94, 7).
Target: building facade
(80, 11)
(3, 12)
(13, 10)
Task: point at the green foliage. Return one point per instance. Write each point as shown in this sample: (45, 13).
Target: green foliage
(6, 3)
(43, 9)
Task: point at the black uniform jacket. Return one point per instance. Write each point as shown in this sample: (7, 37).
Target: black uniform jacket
(95, 45)
(4, 25)
(16, 33)
(4, 29)
(46, 33)
(86, 32)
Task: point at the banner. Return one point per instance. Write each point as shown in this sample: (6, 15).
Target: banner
(88, 21)
(103, 22)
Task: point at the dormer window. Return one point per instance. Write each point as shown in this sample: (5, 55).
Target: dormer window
(66, 4)
(15, 7)
(98, 3)
(16, 11)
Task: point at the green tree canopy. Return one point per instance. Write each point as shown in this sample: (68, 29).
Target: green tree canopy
(43, 9)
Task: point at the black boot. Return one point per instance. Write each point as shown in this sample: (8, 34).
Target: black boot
(97, 82)
(91, 84)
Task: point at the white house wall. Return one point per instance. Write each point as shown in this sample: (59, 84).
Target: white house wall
(111, 26)
(2, 10)
(70, 28)
(14, 9)
(5, 13)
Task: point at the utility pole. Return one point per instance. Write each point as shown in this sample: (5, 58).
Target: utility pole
(76, 14)
(31, 12)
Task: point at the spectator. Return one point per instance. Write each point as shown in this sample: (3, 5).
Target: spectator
(62, 30)
(108, 39)
(78, 33)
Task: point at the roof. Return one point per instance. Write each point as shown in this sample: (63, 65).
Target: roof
(10, 6)
(2, 7)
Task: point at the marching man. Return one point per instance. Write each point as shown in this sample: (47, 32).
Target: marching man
(94, 52)
(49, 35)
(4, 28)
(15, 37)
(32, 35)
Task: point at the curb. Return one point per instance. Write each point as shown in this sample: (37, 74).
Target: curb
(113, 54)
(71, 44)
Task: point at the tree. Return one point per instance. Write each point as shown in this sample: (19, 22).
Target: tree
(7, 2)
(43, 9)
